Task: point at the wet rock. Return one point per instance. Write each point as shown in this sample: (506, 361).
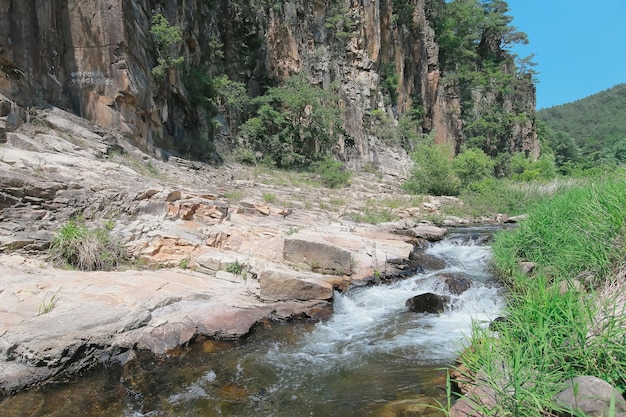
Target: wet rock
(498, 323)
(428, 303)
(479, 401)
(455, 283)
(516, 219)
(421, 406)
(591, 396)
(427, 262)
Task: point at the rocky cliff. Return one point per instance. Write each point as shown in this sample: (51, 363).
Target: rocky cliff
(95, 58)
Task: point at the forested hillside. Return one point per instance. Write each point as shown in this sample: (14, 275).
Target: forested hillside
(588, 132)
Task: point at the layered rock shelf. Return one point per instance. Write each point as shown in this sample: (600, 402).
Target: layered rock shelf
(211, 254)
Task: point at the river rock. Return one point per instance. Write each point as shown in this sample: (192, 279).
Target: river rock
(479, 401)
(592, 396)
(456, 283)
(321, 255)
(428, 303)
(427, 262)
(424, 230)
(281, 285)
(526, 267)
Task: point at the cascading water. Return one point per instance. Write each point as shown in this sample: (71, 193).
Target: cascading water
(372, 351)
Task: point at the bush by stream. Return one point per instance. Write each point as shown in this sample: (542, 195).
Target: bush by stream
(558, 326)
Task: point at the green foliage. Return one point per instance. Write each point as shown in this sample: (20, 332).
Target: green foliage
(491, 196)
(244, 156)
(408, 133)
(167, 38)
(596, 125)
(215, 93)
(339, 22)
(562, 145)
(333, 173)
(473, 38)
(472, 165)
(295, 124)
(433, 173)
(48, 304)
(238, 268)
(77, 246)
(524, 169)
(372, 215)
(390, 81)
(269, 198)
(403, 11)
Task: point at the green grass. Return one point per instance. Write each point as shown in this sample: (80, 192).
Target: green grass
(492, 196)
(572, 232)
(48, 304)
(269, 198)
(546, 339)
(80, 247)
(237, 268)
(372, 215)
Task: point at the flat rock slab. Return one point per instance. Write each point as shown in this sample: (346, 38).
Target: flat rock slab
(56, 321)
(320, 254)
(280, 285)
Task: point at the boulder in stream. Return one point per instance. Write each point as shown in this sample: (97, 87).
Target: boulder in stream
(456, 283)
(428, 303)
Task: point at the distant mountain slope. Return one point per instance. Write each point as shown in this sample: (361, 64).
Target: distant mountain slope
(597, 124)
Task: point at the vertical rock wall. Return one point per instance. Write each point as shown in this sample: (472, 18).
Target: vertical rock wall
(95, 57)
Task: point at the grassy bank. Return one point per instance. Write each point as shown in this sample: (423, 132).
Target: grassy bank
(558, 326)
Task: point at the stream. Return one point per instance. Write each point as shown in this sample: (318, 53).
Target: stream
(373, 357)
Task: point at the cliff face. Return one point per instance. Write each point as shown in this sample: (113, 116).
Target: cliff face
(95, 58)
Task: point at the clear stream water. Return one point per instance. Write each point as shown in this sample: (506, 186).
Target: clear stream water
(372, 353)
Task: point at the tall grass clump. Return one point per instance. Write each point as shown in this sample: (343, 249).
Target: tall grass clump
(573, 231)
(77, 246)
(552, 330)
(490, 196)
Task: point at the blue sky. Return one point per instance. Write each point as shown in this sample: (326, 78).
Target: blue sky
(580, 46)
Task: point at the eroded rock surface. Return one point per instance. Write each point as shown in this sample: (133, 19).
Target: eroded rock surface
(200, 251)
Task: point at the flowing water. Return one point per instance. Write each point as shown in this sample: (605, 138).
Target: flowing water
(371, 356)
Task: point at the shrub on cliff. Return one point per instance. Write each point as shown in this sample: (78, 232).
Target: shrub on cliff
(77, 246)
(295, 124)
(166, 37)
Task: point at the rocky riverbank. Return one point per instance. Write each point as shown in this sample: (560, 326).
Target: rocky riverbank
(214, 249)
